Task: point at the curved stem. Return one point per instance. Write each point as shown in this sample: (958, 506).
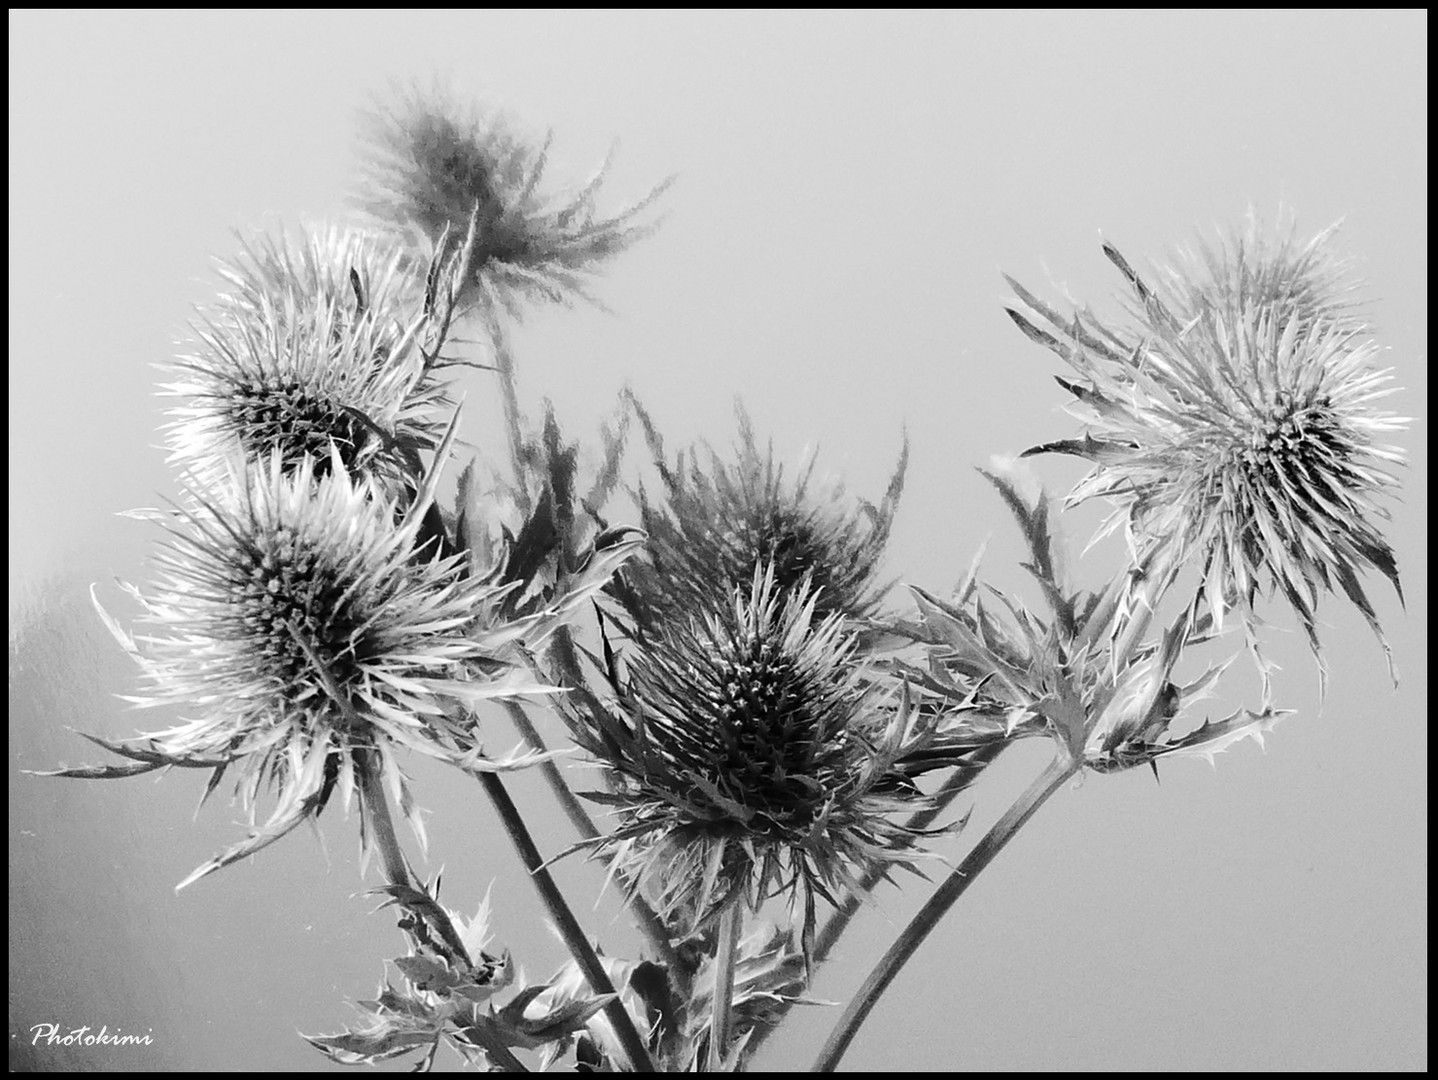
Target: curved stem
(958, 782)
(573, 934)
(648, 921)
(721, 1023)
(1050, 780)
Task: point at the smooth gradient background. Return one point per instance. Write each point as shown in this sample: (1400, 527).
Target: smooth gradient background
(849, 187)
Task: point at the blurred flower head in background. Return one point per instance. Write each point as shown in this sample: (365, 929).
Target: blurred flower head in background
(431, 164)
(1234, 420)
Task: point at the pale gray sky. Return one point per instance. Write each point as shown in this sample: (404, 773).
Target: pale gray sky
(849, 187)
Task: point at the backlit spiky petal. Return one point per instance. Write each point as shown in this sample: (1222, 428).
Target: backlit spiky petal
(1234, 420)
(750, 757)
(293, 619)
(319, 341)
(431, 163)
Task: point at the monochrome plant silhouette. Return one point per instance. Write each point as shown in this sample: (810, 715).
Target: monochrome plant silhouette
(762, 732)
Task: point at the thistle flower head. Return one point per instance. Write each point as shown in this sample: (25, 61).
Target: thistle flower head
(296, 620)
(1234, 420)
(320, 342)
(720, 520)
(432, 164)
(749, 757)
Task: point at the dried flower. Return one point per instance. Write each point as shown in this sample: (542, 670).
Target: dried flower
(431, 164)
(320, 343)
(715, 525)
(749, 757)
(1234, 422)
(295, 617)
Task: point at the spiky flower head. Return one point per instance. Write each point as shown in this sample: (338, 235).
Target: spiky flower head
(320, 341)
(1233, 417)
(299, 619)
(432, 163)
(749, 757)
(718, 520)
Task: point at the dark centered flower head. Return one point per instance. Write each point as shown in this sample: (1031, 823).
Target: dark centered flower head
(718, 520)
(1234, 421)
(294, 620)
(432, 165)
(750, 756)
(320, 342)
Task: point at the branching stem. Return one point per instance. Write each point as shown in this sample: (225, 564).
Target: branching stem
(1050, 780)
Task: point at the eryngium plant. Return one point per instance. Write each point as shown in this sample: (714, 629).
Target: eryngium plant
(301, 621)
(749, 757)
(761, 726)
(1233, 418)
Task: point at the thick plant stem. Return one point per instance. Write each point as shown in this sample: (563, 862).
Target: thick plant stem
(573, 934)
(1050, 780)
(721, 1025)
(381, 824)
(578, 817)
